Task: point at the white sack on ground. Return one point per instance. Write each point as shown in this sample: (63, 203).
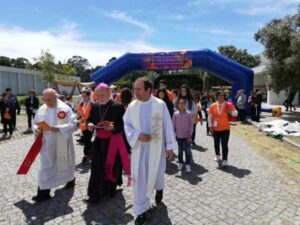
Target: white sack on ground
(280, 127)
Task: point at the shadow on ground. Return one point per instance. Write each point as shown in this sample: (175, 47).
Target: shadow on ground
(82, 168)
(198, 148)
(237, 172)
(42, 212)
(192, 177)
(106, 211)
(159, 215)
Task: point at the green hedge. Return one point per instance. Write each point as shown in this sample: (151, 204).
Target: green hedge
(21, 100)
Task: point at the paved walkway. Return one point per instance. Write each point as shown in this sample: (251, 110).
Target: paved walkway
(249, 191)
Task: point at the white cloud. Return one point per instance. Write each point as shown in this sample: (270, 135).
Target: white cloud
(220, 31)
(176, 17)
(122, 16)
(269, 7)
(212, 31)
(63, 43)
(249, 7)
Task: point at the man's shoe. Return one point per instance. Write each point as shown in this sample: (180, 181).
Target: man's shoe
(91, 201)
(41, 198)
(159, 196)
(70, 184)
(188, 168)
(224, 163)
(84, 160)
(142, 219)
(80, 140)
(217, 158)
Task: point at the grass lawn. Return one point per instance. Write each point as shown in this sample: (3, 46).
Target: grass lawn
(282, 154)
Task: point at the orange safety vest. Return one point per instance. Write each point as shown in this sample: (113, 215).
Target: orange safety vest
(171, 95)
(85, 113)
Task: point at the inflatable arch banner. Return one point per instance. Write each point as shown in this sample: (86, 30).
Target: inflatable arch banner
(240, 77)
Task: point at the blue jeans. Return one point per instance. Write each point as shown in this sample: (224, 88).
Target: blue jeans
(183, 145)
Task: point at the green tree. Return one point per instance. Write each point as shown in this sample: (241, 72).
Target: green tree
(21, 63)
(281, 38)
(81, 65)
(111, 60)
(86, 76)
(239, 55)
(47, 65)
(63, 70)
(128, 80)
(5, 61)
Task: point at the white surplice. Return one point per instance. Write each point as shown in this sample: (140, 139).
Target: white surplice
(148, 160)
(57, 156)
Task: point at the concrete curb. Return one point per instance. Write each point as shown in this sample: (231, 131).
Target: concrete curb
(291, 142)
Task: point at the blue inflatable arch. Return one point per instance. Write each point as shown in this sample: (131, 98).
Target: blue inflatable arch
(239, 76)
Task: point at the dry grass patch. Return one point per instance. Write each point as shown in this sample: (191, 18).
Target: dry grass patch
(295, 139)
(280, 153)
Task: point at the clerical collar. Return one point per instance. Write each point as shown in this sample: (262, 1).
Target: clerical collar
(107, 103)
(145, 102)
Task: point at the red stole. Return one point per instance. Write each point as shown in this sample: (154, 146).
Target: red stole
(31, 155)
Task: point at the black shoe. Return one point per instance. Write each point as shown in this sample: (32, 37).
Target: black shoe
(70, 184)
(80, 140)
(42, 195)
(40, 198)
(84, 160)
(91, 201)
(142, 219)
(159, 196)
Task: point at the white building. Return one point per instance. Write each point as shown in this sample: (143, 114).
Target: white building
(21, 80)
(262, 80)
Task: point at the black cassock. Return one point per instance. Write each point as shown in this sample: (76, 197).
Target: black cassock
(98, 186)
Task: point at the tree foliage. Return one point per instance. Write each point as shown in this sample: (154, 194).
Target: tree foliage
(281, 38)
(20, 62)
(5, 61)
(82, 66)
(48, 68)
(239, 55)
(64, 70)
(111, 60)
(45, 63)
(79, 63)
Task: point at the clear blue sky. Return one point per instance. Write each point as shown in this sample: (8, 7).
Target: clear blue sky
(101, 29)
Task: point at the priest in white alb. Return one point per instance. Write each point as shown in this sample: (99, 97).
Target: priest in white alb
(57, 123)
(150, 133)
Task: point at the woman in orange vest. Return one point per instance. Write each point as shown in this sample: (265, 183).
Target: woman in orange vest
(7, 111)
(218, 123)
(83, 113)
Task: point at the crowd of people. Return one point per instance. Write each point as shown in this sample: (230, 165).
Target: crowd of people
(130, 131)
